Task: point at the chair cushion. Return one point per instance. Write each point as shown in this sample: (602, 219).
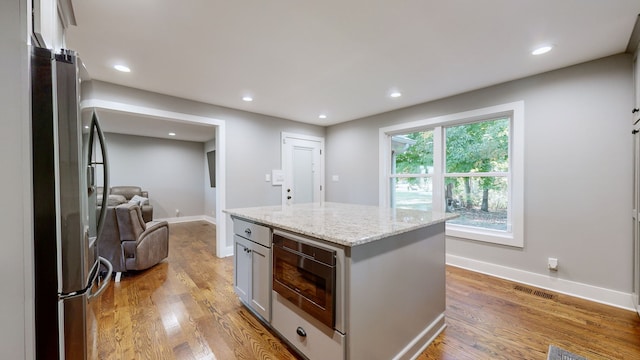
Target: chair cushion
(130, 222)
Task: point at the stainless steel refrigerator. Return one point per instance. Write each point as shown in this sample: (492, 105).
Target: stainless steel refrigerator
(66, 156)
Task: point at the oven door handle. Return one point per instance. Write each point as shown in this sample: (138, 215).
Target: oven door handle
(328, 258)
(291, 251)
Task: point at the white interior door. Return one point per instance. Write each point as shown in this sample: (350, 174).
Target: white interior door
(303, 167)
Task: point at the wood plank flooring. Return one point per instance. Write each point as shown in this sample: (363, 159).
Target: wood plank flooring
(185, 308)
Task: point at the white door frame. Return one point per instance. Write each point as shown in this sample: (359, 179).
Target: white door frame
(283, 139)
(222, 249)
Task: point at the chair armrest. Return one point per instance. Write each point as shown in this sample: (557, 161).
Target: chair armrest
(145, 194)
(151, 247)
(152, 227)
(147, 213)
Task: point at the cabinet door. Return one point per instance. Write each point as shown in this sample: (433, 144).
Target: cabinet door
(260, 294)
(242, 268)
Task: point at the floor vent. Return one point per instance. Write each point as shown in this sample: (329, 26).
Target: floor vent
(530, 291)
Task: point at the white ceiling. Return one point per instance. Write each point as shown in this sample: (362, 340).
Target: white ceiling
(299, 59)
(151, 126)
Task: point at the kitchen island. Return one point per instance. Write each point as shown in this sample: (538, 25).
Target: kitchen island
(387, 291)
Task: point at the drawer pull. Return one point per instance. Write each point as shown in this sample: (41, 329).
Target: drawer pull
(301, 332)
(247, 231)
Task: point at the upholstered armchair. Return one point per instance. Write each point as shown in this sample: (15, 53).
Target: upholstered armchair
(129, 192)
(143, 244)
(131, 244)
(109, 246)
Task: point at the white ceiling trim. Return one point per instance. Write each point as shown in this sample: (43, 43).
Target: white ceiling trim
(147, 111)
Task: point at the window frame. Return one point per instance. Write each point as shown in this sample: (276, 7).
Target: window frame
(514, 111)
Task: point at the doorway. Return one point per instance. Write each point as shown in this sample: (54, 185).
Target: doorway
(303, 168)
(221, 247)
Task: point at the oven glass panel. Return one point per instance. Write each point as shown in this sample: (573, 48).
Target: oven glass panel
(305, 274)
(304, 282)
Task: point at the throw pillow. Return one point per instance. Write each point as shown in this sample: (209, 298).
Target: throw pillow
(139, 200)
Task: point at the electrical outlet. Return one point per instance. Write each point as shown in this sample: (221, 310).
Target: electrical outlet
(553, 264)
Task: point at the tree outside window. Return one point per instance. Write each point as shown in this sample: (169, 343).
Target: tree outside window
(476, 172)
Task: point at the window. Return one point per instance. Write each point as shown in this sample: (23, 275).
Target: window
(412, 170)
(476, 173)
(467, 163)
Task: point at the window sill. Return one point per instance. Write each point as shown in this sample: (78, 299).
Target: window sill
(484, 235)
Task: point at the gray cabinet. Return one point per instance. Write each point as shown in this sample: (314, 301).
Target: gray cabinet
(242, 268)
(252, 270)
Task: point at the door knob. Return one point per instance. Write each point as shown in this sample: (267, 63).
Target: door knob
(288, 197)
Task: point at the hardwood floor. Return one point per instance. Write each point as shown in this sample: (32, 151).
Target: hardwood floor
(185, 308)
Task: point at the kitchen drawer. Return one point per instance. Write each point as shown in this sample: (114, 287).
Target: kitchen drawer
(320, 341)
(254, 232)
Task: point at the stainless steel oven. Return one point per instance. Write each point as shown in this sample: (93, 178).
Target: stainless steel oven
(308, 274)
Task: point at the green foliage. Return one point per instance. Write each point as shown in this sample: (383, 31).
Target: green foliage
(478, 147)
(417, 155)
(470, 148)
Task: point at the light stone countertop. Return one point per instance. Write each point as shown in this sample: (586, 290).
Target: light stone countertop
(344, 224)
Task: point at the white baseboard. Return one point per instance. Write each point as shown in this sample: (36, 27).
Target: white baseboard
(209, 219)
(580, 290)
(228, 251)
(182, 219)
(422, 340)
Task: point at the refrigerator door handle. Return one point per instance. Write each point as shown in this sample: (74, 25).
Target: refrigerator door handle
(107, 278)
(95, 124)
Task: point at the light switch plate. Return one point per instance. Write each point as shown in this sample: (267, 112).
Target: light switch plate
(278, 177)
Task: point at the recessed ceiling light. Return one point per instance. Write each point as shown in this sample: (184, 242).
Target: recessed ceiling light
(247, 98)
(122, 68)
(395, 94)
(542, 50)
(172, 134)
(322, 116)
(86, 126)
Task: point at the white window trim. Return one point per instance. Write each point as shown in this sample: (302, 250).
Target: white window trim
(515, 110)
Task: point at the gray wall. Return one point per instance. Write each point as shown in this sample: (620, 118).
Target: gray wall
(578, 169)
(170, 170)
(253, 141)
(15, 275)
(209, 192)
